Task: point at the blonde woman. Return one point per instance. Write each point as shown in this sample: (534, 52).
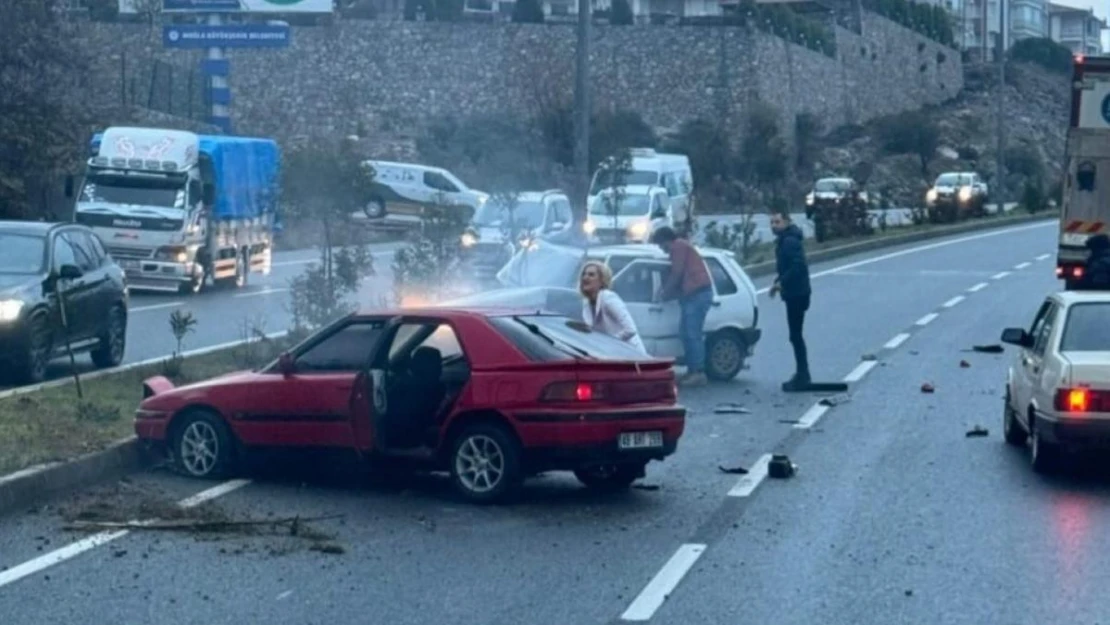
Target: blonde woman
(602, 309)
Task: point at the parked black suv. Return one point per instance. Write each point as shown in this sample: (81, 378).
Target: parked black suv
(39, 261)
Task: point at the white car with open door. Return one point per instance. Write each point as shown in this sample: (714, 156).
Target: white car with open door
(731, 327)
(1058, 387)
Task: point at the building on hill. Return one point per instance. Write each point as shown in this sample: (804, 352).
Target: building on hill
(977, 22)
(1078, 29)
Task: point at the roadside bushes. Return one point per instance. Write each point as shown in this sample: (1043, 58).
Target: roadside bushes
(932, 21)
(1044, 52)
(786, 23)
(913, 133)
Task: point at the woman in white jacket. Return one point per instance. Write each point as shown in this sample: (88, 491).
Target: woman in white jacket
(602, 309)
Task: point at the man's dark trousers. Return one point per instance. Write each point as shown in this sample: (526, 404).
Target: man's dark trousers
(795, 317)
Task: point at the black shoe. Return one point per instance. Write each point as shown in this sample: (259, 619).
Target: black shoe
(799, 382)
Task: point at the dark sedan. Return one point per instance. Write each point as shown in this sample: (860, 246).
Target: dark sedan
(40, 262)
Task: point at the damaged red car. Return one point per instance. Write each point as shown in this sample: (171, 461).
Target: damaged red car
(491, 397)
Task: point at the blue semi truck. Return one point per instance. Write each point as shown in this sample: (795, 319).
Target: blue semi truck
(179, 211)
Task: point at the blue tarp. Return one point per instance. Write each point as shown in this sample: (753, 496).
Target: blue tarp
(246, 171)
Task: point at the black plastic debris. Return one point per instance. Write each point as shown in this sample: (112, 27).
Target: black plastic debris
(646, 486)
(988, 349)
(835, 400)
(780, 467)
(869, 357)
(731, 408)
(964, 364)
(977, 432)
(928, 388)
(733, 470)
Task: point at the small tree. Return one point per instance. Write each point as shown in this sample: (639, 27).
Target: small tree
(428, 267)
(762, 151)
(620, 13)
(615, 170)
(528, 12)
(911, 133)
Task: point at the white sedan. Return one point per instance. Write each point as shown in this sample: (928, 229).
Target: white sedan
(1058, 387)
(545, 276)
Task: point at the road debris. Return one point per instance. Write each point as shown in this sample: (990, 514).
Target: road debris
(195, 525)
(977, 432)
(928, 388)
(988, 349)
(330, 548)
(734, 470)
(650, 487)
(835, 400)
(964, 364)
(781, 468)
(731, 408)
(869, 357)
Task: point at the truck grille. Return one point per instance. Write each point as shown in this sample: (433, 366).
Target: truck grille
(129, 253)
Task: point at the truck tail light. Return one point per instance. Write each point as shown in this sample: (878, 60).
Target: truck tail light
(570, 391)
(1082, 399)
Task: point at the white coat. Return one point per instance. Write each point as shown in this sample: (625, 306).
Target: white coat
(610, 316)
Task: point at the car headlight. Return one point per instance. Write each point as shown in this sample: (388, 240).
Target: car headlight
(10, 309)
(589, 226)
(468, 239)
(809, 199)
(638, 229)
(172, 254)
(931, 196)
(965, 194)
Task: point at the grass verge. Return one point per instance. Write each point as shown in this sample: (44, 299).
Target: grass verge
(53, 424)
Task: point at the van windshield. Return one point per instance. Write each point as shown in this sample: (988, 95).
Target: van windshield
(626, 206)
(605, 179)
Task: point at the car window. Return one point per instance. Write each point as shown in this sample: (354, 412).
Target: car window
(63, 253)
(438, 182)
(347, 349)
(98, 245)
(563, 212)
(1038, 319)
(21, 253)
(616, 263)
(1041, 339)
(83, 250)
(638, 283)
(1087, 328)
(721, 280)
(445, 340)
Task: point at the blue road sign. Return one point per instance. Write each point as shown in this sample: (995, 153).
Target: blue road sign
(229, 36)
(200, 5)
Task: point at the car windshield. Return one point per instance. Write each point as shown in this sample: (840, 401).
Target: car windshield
(495, 214)
(21, 253)
(134, 190)
(605, 179)
(1087, 328)
(951, 180)
(628, 205)
(832, 185)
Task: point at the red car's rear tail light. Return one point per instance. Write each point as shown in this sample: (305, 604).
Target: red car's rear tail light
(630, 392)
(1082, 400)
(573, 391)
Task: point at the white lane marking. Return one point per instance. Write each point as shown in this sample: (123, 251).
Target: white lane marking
(1000, 275)
(1022, 265)
(922, 248)
(746, 485)
(927, 319)
(952, 302)
(1043, 256)
(262, 292)
(75, 549)
(653, 595)
(862, 369)
(896, 341)
(20, 390)
(978, 287)
(811, 416)
(284, 595)
(155, 307)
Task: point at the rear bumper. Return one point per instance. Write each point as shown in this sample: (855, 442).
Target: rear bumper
(1080, 433)
(565, 439)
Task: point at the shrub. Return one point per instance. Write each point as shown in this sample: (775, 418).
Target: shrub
(784, 22)
(706, 144)
(762, 151)
(528, 12)
(1033, 196)
(621, 13)
(807, 130)
(1044, 52)
(910, 133)
(428, 267)
(1023, 160)
(931, 21)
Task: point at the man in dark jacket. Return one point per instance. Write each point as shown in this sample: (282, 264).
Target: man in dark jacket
(1096, 276)
(793, 283)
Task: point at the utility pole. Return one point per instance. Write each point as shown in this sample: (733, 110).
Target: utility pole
(1000, 96)
(582, 106)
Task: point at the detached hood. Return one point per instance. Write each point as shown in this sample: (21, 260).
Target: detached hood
(542, 264)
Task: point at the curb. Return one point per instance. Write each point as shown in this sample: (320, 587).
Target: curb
(27, 487)
(767, 268)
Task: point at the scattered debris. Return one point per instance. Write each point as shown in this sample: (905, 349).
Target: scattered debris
(731, 408)
(646, 486)
(964, 364)
(835, 400)
(780, 467)
(927, 388)
(734, 470)
(909, 593)
(331, 548)
(988, 349)
(789, 421)
(977, 431)
(914, 352)
(869, 357)
(196, 525)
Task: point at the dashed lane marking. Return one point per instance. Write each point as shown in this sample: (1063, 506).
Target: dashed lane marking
(811, 416)
(896, 341)
(653, 595)
(1000, 275)
(746, 485)
(135, 309)
(977, 287)
(952, 302)
(1043, 256)
(1022, 265)
(262, 292)
(927, 319)
(861, 370)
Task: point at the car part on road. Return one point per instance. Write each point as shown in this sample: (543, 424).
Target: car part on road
(815, 387)
(733, 470)
(977, 432)
(610, 476)
(869, 357)
(835, 400)
(730, 408)
(781, 468)
(964, 364)
(202, 445)
(988, 349)
(485, 463)
(928, 388)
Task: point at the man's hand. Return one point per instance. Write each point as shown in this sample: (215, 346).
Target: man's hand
(775, 288)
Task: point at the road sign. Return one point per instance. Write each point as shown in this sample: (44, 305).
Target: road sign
(228, 36)
(247, 6)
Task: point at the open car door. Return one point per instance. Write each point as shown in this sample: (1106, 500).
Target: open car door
(657, 322)
(369, 403)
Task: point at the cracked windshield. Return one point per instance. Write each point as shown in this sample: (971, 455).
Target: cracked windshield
(554, 312)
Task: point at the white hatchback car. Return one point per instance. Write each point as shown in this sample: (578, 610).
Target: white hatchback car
(1058, 388)
(546, 274)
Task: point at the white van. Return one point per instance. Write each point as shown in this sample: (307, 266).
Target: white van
(640, 211)
(402, 190)
(670, 171)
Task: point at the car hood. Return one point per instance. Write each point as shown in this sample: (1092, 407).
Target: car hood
(542, 264)
(14, 285)
(161, 388)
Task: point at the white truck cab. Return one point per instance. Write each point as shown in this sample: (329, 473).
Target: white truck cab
(628, 214)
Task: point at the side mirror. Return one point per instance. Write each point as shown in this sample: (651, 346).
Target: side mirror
(69, 186)
(209, 194)
(69, 272)
(286, 364)
(659, 213)
(1017, 336)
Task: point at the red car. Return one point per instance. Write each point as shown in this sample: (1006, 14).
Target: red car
(490, 396)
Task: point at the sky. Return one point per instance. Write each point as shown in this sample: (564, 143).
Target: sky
(1101, 8)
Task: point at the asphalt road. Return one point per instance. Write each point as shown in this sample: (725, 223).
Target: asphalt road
(894, 517)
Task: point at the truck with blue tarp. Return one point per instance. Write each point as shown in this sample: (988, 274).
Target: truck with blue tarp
(178, 210)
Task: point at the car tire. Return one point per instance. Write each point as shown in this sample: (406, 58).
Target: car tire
(724, 355)
(1043, 456)
(610, 477)
(476, 451)
(1012, 431)
(374, 209)
(112, 340)
(30, 367)
(199, 430)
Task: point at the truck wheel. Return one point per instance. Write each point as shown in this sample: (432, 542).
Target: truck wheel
(374, 209)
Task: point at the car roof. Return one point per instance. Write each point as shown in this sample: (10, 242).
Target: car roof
(835, 178)
(410, 165)
(1067, 298)
(28, 227)
(634, 189)
(646, 250)
(536, 196)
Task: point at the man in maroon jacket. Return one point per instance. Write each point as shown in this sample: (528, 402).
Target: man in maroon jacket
(689, 282)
